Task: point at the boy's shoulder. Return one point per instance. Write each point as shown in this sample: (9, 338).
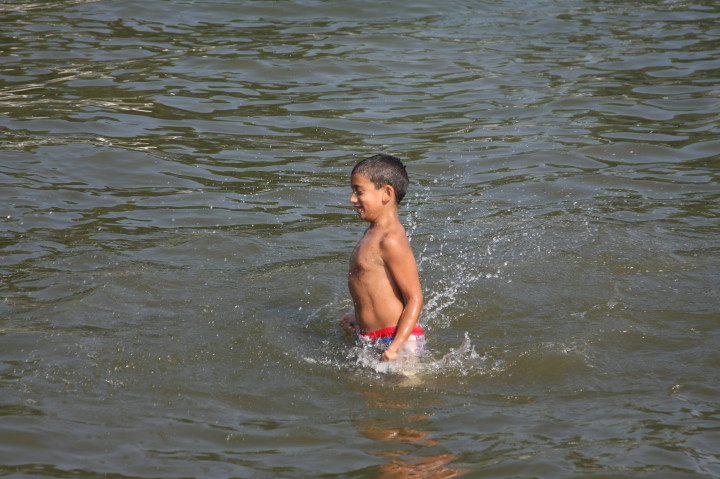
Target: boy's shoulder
(394, 237)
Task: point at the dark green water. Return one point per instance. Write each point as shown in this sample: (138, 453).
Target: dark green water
(175, 230)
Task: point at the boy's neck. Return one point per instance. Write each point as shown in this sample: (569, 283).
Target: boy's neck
(390, 216)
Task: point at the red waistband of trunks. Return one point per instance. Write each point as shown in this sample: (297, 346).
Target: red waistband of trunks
(390, 332)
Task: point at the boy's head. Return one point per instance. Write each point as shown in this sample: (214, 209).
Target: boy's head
(384, 170)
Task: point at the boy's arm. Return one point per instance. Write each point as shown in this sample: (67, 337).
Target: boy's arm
(400, 262)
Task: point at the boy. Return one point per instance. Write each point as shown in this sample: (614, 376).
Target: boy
(383, 277)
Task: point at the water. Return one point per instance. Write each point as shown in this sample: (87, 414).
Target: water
(175, 237)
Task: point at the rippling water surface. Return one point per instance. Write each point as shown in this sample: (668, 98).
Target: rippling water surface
(175, 235)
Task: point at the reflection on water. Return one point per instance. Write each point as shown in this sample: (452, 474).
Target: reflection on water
(402, 429)
(174, 237)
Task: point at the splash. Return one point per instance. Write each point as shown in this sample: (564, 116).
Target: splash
(461, 360)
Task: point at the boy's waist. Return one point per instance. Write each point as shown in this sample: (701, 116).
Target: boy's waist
(389, 333)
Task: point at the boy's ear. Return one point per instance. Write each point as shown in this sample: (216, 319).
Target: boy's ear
(388, 193)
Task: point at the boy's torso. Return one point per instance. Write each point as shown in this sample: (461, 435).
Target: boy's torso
(378, 303)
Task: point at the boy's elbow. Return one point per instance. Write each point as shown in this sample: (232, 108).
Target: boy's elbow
(413, 299)
(417, 299)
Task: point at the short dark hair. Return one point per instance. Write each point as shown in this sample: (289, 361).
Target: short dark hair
(384, 170)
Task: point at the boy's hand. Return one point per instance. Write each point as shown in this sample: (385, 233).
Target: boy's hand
(389, 355)
(349, 324)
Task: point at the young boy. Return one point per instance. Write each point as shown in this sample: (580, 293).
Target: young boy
(383, 277)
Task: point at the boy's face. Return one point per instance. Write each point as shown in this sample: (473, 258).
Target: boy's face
(367, 200)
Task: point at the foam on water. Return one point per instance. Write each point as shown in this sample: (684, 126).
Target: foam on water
(460, 361)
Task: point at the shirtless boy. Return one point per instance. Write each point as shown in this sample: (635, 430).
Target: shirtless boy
(383, 277)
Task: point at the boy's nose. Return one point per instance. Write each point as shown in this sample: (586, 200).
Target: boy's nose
(352, 198)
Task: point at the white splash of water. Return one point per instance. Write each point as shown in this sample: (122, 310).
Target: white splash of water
(461, 360)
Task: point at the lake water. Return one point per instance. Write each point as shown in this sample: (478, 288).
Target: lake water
(176, 230)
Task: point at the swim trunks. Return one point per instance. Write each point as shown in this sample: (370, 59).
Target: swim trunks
(383, 337)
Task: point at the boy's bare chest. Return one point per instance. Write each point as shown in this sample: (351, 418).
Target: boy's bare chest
(366, 256)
